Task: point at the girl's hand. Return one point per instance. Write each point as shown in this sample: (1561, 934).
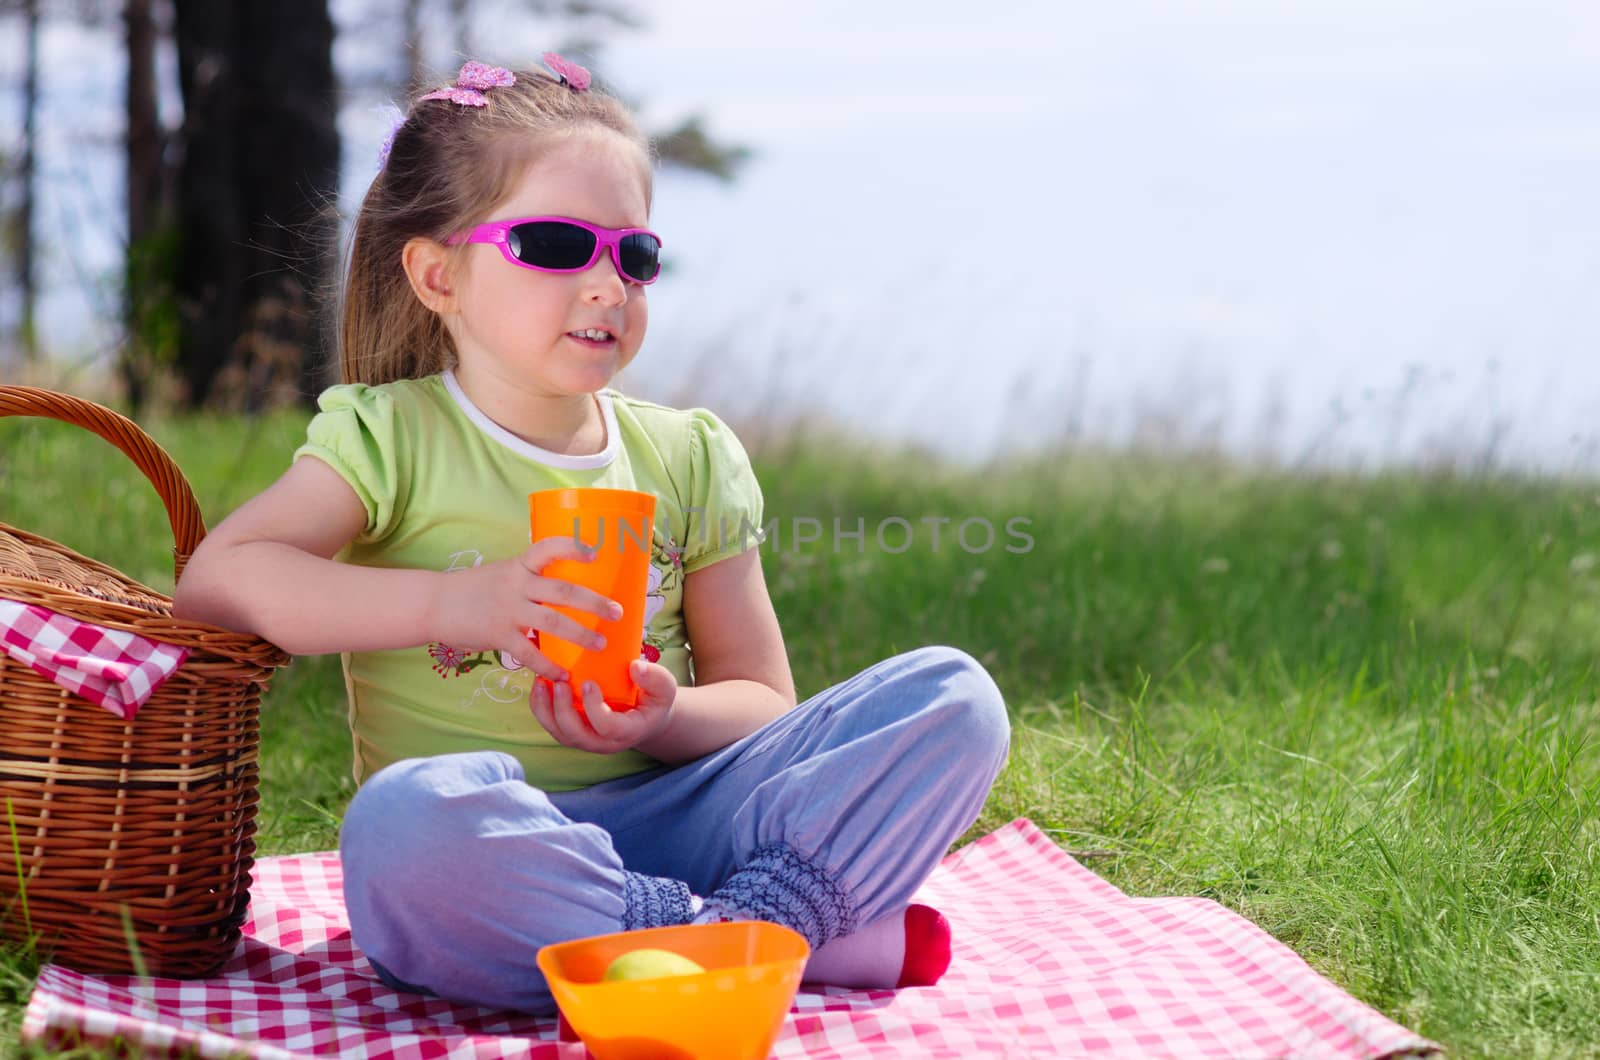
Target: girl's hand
(493, 607)
(598, 728)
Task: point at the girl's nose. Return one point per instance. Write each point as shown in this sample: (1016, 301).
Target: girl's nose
(603, 283)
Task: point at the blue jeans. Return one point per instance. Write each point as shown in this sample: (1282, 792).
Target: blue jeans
(456, 871)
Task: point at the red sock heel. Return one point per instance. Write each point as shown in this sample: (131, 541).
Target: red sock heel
(927, 947)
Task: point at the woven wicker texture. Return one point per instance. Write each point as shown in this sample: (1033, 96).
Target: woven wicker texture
(126, 842)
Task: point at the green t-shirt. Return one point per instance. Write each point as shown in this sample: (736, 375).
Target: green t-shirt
(446, 488)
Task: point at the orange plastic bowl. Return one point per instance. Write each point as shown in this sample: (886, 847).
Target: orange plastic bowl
(732, 1011)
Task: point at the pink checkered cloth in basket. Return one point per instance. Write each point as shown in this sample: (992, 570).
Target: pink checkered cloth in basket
(1050, 961)
(111, 668)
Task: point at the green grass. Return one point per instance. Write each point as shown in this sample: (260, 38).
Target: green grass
(1357, 710)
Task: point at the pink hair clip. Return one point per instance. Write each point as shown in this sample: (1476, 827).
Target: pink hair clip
(570, 73)
(472, 82)
(396, 119)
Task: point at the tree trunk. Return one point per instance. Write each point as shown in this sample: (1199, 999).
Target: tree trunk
(27, 274)
(144, 123)
(411, 19)
(258, 194)
(147, 278)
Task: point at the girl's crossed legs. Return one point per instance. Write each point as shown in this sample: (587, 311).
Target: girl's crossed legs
(826, 819)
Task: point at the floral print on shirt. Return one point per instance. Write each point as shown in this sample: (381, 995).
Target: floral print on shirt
(666, 573)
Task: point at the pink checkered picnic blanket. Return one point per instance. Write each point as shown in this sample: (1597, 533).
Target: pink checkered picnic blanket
(1050, 961)
(111, 668)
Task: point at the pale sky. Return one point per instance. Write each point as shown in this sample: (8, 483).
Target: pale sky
(1340, 231)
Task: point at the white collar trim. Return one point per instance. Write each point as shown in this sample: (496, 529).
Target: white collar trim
(573, 462)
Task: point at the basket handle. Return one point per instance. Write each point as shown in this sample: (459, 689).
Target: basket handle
(188, 527)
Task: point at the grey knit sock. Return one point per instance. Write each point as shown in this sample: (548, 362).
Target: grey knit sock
(655, 901)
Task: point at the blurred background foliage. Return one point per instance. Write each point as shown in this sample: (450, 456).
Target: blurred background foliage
(230, 210)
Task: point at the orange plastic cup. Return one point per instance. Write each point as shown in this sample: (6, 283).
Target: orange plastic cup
(618, 525)
(732, 1011)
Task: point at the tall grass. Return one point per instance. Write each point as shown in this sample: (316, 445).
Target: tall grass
(1356, 709)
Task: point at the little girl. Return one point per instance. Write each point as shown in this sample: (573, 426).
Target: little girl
(495, 286)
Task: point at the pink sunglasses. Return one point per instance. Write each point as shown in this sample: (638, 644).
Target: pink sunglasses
(564, 244)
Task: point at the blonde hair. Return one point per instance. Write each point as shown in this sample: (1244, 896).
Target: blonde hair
(448, 165)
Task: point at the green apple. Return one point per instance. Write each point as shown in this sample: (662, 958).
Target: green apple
(650, 964)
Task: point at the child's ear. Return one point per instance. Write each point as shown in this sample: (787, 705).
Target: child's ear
(427, 266)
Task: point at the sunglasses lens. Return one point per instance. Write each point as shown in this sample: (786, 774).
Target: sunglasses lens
(551, 244)
(640, 256)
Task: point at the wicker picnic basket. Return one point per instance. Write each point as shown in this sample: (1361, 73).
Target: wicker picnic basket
(127, 844)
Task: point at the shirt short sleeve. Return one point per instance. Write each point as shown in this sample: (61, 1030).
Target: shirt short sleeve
(725, 499)
(358, 434)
